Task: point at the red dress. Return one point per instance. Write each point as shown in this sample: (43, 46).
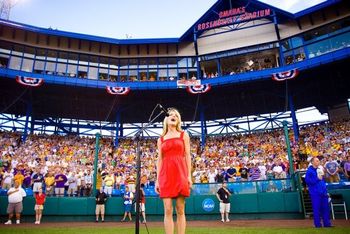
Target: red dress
(173, 172)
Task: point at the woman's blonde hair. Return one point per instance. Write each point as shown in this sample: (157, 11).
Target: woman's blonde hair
(165, 124)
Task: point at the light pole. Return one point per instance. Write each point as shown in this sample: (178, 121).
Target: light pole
(5, 8)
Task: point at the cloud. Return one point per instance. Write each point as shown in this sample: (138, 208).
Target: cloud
(293, 6)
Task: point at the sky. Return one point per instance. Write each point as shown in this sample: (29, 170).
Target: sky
(124, 18)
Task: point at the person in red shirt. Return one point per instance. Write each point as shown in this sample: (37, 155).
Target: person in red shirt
(39, 205)
(142, 203)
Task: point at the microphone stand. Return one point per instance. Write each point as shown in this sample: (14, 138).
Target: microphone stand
(137, 137)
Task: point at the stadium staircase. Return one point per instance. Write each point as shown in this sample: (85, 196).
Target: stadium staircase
(307, 204)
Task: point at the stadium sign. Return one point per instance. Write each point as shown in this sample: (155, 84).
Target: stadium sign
(208, 205)
(233, 15)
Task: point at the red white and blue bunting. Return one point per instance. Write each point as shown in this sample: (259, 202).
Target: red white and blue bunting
(199, 88)
(118, 90)
(29, 81)
(286, 75)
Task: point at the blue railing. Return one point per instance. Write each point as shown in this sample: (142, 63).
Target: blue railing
(229, 79)
(248, 187)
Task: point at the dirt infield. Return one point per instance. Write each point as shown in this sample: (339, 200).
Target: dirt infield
(233, 223)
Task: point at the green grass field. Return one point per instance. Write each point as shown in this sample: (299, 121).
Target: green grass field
(157, 230)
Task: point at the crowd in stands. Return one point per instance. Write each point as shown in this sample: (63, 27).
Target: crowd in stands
(63, 165)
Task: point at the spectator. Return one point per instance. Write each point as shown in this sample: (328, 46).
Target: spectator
(72, 184)
(244, 172)
(128, 197)
(230, 174)
(269, 173)
(211, 175)
(130, 181)
(332, 170)
(254, 172)
(143, 203)
(318, 193)
(219, 178)
(223, 196)
(27, 181)
(101, 198)
(60, 180)
(109, 182)
(49, 183)
(7, 181)
(19, 177)
(38, 180)
(1, 174)
(347, 168)
(88, 183)
(15, 198)
(262, 168)
(279, 171)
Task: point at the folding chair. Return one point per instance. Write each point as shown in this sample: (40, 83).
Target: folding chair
(337, 200)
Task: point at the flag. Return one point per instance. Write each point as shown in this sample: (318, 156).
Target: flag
(286, 75)
(117, 90)
(199, 88)
(28, 81)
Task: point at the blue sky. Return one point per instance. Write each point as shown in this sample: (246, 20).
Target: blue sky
(118, 18)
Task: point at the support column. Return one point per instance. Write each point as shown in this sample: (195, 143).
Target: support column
(281, 60)
(203, 127)
(28, 115)
(97, 147)
(117, 129)
(294, 118)
(199, 75)
(218, 65)
(290, 157)
(32, 125)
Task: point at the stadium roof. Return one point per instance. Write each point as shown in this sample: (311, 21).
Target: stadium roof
(315, 87)
(210, 14)
(253, 5)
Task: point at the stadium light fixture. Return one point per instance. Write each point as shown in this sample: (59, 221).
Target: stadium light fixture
(6, 6)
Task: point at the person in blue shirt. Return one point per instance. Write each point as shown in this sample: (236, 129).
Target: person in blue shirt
(128, 197)
(318, 193)
(230, 174)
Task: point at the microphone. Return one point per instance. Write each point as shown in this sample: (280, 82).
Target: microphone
(163, 110)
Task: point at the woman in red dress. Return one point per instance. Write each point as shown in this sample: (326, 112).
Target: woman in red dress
(173, 171)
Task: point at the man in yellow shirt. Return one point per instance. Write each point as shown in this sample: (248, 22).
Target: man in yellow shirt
(49, 182)
(109, 182)
(19, 177)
